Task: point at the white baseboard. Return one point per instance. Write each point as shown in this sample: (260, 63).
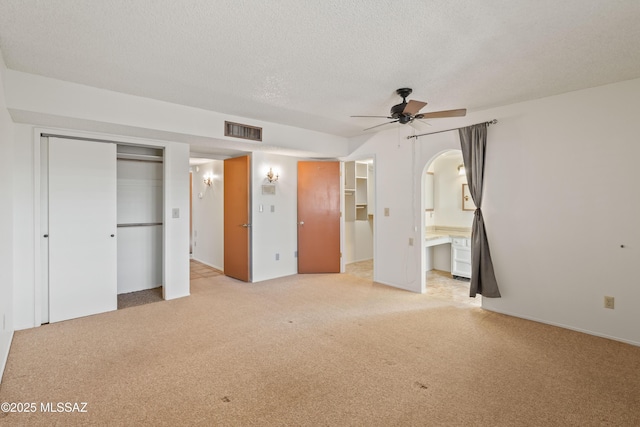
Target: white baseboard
(207, 264)
(5, 357)
(561, 325)
(358, 260)
(393, 285)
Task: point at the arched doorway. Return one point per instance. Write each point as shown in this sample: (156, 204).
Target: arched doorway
(447, 231)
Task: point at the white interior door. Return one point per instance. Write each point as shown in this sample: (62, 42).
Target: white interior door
(82, 228)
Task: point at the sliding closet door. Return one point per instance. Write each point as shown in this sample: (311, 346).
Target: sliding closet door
(82, 228)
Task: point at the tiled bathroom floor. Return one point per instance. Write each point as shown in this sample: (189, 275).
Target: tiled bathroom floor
(200, 270)
(440, 284)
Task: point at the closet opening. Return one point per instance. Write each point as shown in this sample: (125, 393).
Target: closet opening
(359, 208)
(139, 224)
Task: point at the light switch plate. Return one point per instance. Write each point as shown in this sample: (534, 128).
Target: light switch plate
(175, 213)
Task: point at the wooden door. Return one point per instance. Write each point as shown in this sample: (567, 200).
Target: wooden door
(237, 224)
(82, 228)
(318, 217)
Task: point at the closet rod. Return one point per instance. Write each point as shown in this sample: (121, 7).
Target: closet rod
(490, 122)
(140, 224)
(139, 158)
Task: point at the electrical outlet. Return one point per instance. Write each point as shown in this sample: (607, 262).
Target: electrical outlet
(273, 208)
(410, 241)
(386, 211)
(295, 254)
(277, 257)
(175, 213)
(609, 302)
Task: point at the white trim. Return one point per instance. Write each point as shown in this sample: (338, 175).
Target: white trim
(207, 264)
(358, 260)
(342, 216)
(5, 357)
(394, 285)
(562, 325)
(37, 232)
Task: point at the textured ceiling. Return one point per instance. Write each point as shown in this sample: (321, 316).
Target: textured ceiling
(313, 64)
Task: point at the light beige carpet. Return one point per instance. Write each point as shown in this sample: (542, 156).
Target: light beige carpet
(318, 350)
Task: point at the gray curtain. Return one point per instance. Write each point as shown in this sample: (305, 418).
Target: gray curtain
(473, 140)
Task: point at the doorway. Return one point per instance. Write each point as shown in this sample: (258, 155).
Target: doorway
(207, 211)
(359, 207)
(447, 232)
(318, 207)
(237, 218)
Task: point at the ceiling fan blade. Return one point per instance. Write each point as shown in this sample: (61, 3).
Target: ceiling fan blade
(381, 125)
(413, 107)
(380, 117)
(418, 124)
(442, 114)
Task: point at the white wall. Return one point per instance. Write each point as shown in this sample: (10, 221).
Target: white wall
(176, 230)
(274, 232)
(50, 102)
(558, 204)
(448, 193)
(6, 226)
(208, 214)
(23, 219)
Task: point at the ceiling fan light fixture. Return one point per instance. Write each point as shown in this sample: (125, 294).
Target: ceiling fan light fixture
(404, 119)
(406, 112)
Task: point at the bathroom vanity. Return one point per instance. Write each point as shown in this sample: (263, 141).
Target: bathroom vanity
(459, 241)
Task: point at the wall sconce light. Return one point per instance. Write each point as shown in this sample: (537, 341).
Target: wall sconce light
(461, 170)
(208, 179)
(271, 177)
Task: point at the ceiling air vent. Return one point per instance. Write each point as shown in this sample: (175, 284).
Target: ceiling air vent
(238, 130)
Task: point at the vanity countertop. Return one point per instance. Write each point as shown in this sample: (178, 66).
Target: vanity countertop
(433, 233)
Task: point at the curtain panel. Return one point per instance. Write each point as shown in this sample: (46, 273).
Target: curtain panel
(473, 140)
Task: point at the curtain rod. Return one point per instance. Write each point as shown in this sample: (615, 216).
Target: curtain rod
(490, 122)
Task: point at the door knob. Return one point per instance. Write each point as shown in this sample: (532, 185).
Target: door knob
(46, 235)
(246, 225)
(113, 235)
(301, 223)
